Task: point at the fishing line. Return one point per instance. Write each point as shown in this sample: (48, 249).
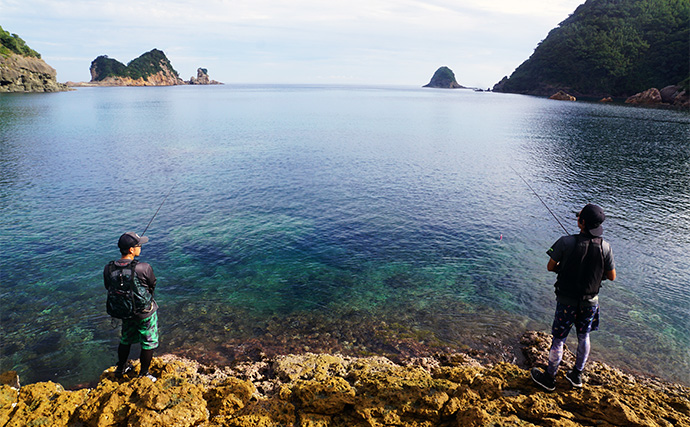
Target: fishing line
(159, 208)
(540, 199)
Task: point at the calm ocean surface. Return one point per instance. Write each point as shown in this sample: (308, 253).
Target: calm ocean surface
(363, 220)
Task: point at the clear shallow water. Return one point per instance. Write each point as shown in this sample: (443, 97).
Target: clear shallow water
(356, 219)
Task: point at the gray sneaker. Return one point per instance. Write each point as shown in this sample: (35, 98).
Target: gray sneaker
(574, 377)
(546, 381)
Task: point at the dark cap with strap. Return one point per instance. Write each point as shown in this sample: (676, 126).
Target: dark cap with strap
(593, 216)
(130, 240)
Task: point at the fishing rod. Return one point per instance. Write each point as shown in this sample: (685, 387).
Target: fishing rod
(540, 199)
(159, 208)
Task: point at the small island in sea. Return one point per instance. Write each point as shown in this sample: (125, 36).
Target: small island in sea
(152, 68)
(444, 78)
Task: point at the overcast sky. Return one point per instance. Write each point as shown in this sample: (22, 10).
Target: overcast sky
(397, 42)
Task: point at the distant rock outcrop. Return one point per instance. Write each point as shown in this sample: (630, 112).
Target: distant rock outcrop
(444, 78)
(202, 78)
(562, 96)
(649, 96)
(670, 95)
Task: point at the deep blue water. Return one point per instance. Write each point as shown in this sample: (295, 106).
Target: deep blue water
(356, 219)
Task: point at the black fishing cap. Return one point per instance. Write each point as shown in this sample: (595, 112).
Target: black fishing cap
(593, 216)
(130, 240)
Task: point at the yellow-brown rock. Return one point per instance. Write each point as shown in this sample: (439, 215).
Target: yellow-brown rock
(173, 400)
(562, 96)
(649, 96)
(329, 396)
(229, 397)
(43, 404)
(8, 401)
(338, 391)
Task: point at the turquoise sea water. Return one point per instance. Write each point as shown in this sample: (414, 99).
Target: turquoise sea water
(366, 220)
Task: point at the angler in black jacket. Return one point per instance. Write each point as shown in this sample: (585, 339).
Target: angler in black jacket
(141, 325)
(582, 262)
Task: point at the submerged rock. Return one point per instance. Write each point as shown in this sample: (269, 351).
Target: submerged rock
(334, 390)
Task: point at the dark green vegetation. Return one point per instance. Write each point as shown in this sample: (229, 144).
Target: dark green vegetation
(444, 78)
(107, 67)
(142, 67)
(610, 47)
(12, 43)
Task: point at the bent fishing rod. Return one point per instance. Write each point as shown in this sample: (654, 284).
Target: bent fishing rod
(540, 199)
(158, 210)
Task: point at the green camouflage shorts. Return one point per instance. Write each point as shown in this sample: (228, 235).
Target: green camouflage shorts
(144, 331)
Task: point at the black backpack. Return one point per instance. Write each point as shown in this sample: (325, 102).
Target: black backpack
(127, 297)
(581, 274)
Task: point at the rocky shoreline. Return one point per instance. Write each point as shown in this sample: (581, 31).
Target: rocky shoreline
(319, 390)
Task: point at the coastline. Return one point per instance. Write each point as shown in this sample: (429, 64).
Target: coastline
(444, 389)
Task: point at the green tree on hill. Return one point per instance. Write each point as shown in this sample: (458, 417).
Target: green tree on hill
(142, 67)
(12, 43)
(148, 64)
(103, 67)
(611, 47)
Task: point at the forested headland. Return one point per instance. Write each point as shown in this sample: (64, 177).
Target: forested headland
(610, 48)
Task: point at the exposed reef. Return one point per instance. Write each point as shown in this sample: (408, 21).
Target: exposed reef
(320, 390)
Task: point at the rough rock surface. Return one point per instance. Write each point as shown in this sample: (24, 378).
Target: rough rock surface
(161, 78)
(202, 78)
(649, 96)
(562, 96)
(321, 390)
(670, 95)
(27, 74)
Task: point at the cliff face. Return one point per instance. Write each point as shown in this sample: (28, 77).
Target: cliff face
(161, 78)
(322, 390)
(27, 74)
